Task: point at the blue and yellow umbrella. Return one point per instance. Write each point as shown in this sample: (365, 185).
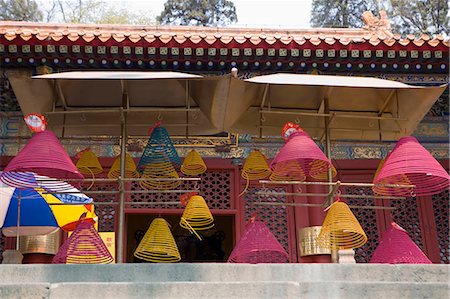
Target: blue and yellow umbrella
(25, 212)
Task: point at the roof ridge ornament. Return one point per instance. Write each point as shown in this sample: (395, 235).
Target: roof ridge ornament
(377, 25)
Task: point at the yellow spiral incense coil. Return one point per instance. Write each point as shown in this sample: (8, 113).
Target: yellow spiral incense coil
(341, 229)
(130, 168)
(288, 171)
(318, 171)
(158, 244)
(89, 163)
(155, 175)
(196, 216)
(193, 164)
(255, 168)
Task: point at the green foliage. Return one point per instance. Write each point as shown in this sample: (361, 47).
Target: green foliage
(20, 10)
(198, 12)
(340, 13)
(420, 16)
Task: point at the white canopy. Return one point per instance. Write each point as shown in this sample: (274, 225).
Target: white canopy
(357, 108)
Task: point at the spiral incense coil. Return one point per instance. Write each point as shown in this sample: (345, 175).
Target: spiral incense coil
(89, 163)
(158, 244)
(319, 170)
(193, 164)
(258, 245)
(44, 155)
(153, 174)
(397, 247)
(299, 148)
(410, 163)
(84, 246)
(287, 171)
(341, 229)
(130, 168)
(196, 215)
(159, 149)
(255, 168)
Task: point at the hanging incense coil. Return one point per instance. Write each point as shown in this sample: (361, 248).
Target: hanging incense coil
(44, 155)
(258, 245)
(89, 163)
(193, 164)
(159, 149)
(341, 229)
(130, 168)
(255, 167)
(317, 173)
(158, 244)
(287, 171)
(155, 175)
(299, 157)
(396, 247)
(84, 246)
(410, 163)
(196, 215)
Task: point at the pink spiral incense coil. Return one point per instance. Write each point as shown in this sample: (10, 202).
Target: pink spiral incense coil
(410, 163)
(84, 246)
(396, 247)
(302, 151)
(43, 155)
(258, 245)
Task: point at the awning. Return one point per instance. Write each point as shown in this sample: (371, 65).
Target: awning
(357, 108)
(94, 100)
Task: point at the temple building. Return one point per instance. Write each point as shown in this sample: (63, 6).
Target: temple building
(225, 56)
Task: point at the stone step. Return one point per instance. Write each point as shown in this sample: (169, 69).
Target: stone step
(250, 290)
(184, 272)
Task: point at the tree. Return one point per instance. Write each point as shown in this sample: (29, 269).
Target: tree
(340, 13)
(121, 15)
(94, 11)
(198, 12)
(79, 11)
(420, 16)
(20, 10)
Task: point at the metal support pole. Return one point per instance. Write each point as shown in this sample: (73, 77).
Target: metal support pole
(123, 144)
(18, 221)
(121, 228)
(334, 253)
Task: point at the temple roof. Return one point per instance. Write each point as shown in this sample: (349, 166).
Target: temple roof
(213, 36)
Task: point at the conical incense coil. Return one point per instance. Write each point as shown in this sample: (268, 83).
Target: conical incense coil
(155, 176)
(410, 163)
(158, 244)
(255, 167)
(196, 215)
(258, 245)
(396, 247)
(317, 173)
(43, 155)
(193, 164)
(130, 168)
(159, 149)
(287, 171)
(341, 229)
(89, 163)
(299, 148)
(84, 246)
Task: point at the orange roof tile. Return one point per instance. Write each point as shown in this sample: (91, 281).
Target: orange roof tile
(25, 31)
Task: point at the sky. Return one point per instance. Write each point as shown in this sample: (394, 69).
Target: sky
(250, 13)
